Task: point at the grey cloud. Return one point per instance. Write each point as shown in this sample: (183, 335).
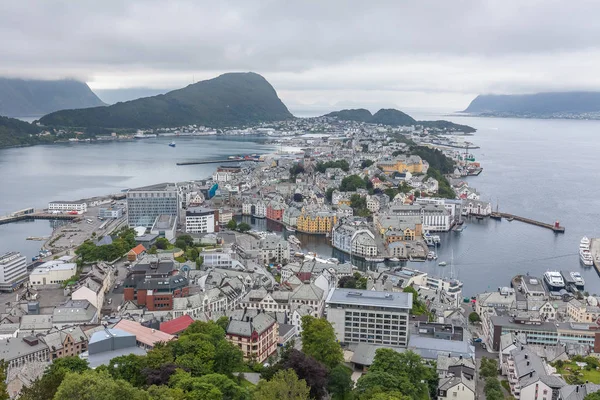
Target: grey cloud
(462, 46)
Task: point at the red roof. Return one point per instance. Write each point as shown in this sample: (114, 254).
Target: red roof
(176, 325)
(139, 249)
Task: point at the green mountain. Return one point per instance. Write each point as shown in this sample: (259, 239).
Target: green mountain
(14, 132)
(359, 115)
(33, 98)
(390, 116)
(539, 104)
(232, 99)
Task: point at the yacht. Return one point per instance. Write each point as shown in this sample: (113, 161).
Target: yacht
(172, 144)
(584, 244)
(294, 240)
(290, 228)
(579, 282)
(586, 257)
(554, 281)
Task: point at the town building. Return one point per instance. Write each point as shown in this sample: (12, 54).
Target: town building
(365, 316)
(434, 217)
(66, 206)
(401, 164)
(13, 271)
(146, 203)
(74, 313)
(137, 251)
(153, 284)
(274, 248)
(316, 222)
(23, 350)
(256, 337)
(108, 343)
(275, 210)
(201, 220)
(66, 342)
(177, 325)
(165, 226)
(110, 212)
(146, 338)
(53, 272)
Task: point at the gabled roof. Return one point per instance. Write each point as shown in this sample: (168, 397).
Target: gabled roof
(139, 249)
(176, 325)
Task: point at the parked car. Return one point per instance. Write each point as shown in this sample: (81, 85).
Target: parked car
(477, 340)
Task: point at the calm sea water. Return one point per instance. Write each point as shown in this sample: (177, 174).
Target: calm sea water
(541, 169)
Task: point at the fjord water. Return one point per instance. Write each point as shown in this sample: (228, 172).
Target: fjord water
(33, 176)
(541, 169)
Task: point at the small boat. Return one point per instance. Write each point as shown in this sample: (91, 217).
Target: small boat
(394, 259)
(172, 144)
(509, 219)
(290, 228)
(443, 264)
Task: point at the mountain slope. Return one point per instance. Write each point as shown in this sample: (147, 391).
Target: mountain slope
(390, 116)
(359, 115)
(14, 132)
(231, 99)
(536, 104)
(30, 98)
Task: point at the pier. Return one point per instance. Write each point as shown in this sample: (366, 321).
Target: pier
(595, 250)
(556, 228)
(39, 215)
(197, 162)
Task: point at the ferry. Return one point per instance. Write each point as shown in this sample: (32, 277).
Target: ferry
(172, 144)
(554, 281)
(143, 136)
(579, 282)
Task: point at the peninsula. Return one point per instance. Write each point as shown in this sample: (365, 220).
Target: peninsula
(572, 105)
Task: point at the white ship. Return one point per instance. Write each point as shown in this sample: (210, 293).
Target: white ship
(554, 281)
(585, 255)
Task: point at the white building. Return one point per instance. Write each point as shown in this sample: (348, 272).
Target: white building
(52, 273)
(365, 316)
(363, 244)
(13, 270)
(434, 217)
(225, 216)
(477, 207)
(67, 206)
(273, 247)
(201, 220)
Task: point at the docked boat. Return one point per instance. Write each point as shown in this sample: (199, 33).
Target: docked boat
(584, 244)
(374, 259)
(443, 264)
(579, 281)
(586, 257)
(290, 228)
(294, 240)
(431, 255)
(394, 259)
(172, 144)
(144, 136)
(554, 281)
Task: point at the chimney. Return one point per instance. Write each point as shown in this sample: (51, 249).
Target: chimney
(527, 363)
(577, 388)
(521, 348)
(531, 373)
(460, 358)
(526, 356)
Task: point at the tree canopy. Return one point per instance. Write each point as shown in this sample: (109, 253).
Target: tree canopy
(319, 341)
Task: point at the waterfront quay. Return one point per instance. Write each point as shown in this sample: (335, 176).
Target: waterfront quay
(36, 214)
(556, 227)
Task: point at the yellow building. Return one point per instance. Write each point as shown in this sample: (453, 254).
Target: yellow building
(316, 222)
(412, 164)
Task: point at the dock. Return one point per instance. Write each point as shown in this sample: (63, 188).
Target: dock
(556, 228)
(197, 162)
(595, 250)
(39, 215)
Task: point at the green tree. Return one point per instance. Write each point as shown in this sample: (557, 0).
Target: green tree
(162, 243)
(366, 163)
(129, 368)
(488, 368)
(199, 261)
(153, 250)
(92, 385)
(474, 317)
(3, 388)
(492, 389)
(319, 341)
(329, 194)
(227, 358)
(181, 244)
(165, 393)
(244, 227)
(592, 396)
(340, 382)
(285, 385)
(46, 386)
(351, 183)
(232, 224)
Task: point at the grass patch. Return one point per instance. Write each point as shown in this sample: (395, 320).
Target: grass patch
(246, 383)
(573, 374)
(505, 385)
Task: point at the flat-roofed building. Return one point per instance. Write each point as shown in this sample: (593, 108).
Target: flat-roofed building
(146, 203)
(146, 338)
(13, 271)
(79, 206)
(165, 226)
(365, 316)
(201, 220)
(53, 272)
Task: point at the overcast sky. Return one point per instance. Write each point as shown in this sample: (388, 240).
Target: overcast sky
(415, 53)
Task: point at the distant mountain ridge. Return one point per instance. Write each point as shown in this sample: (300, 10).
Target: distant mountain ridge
(32, 98)
(14, 132)
(538, 104)
(391, 116)
(231, 99)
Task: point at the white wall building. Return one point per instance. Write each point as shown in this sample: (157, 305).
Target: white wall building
(200, 220)
(52, 273)
(365, 316)
(13, 270)
(67, 206)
